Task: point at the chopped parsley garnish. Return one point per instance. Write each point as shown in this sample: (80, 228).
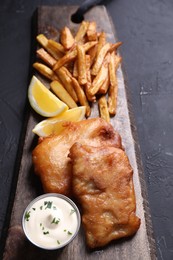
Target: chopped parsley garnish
(72, 211)
(65, 230)
(58, 242)
(34, 208)
(46, 232)
(54, 207)
(41, 224)
(27, 215)
(55, 221)
(41, 207)
(69, 233)
(48, 204)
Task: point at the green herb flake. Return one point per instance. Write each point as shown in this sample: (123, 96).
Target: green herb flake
(58, 242)
(65, 230)
(48, 204)
(41, 207)
(55, 221)
(27, 215)
(34, 208)
(41, 224)
(54, 207)
(72, 211)
(46, 233)
(69, 233)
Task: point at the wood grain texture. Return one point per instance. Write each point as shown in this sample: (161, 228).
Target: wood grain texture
(140, 246)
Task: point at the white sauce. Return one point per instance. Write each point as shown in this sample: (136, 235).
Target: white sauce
(51, 222)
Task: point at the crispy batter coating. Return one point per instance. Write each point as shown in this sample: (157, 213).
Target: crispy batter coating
(102, 183)
(50, 157)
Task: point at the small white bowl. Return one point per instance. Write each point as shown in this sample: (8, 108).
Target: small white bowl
(51, 221)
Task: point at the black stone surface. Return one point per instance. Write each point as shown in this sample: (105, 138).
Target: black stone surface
(146, 28)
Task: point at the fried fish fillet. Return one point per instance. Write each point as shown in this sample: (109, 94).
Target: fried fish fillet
(102, 183)
(50, 157)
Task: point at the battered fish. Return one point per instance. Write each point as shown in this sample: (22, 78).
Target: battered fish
(50, 157)
(102, 183)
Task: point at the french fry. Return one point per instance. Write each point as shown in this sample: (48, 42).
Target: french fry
(71, 55)
(75, 69)
(81, 31)
(101, 41)
(100, 78)
(45, 71)
(103, 108)
(42, 39)
(88, 45)
(88, 84)
(81, 65)
(66, 38)
(46, 57)
(56, 46)
(113, 88)
(118, 60)
(62, 93)
(81, 96)
(92, 52)
(114, 46)
(99, 59)
(66, 79)
(104, 87)
(91, 31)
(55, 49)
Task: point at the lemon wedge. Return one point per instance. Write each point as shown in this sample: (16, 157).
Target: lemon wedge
(43, 101)
(55, 125)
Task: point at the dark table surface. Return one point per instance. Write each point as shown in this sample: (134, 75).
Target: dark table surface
(146, 29)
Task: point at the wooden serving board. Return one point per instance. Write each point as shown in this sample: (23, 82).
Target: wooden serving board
(141, 245)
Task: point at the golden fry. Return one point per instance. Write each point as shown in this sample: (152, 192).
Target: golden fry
(104, 87)
(46, 57)
(66, 79)
(92, 52)
(100, 78)
(118, 60)
(114, 46)
(113, 88)
(81, 31)
(56, 46)
(103, 108)
(62, 93)
(42, 39)
(55, 49)
(91, 31)
(66, 38)
(81, 96)
(101, 41)
(88, 45)
(81, 65)
(45, 71)
(75, 69)
(88, 84)
(71, 55)
(99, 59)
